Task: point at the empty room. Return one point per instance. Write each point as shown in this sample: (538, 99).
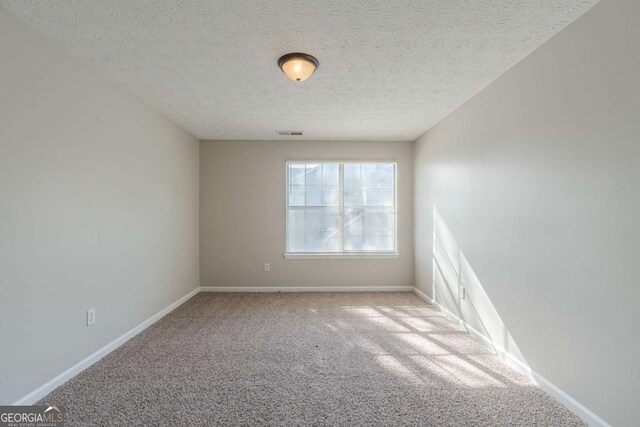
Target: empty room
(319, 213)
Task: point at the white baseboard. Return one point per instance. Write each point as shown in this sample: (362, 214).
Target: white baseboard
(569, 402)
(551, 389)
(307, 289)
(65, 376)
(576, 407)
(424, 296)
(56, 382)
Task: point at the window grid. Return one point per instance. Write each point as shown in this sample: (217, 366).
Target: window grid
(384, 231)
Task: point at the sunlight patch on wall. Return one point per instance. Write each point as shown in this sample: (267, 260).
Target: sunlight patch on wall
(458, 289)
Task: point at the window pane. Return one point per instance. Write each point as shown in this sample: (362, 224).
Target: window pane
(295, 242)
(353, 194)
(331, 237)
(369, 229)
(354, 229)
(322, 232)
(353, 198)
(295, 219)
(330, 174)
(352, 174)
(369, 184)
(368, 199)
(314, 174)
(296, 174)
(331, 244)
(295, 227)
(379, 242)
(386, 175)
(371, 197)
(296, 196)
(330, 195)
(386, 198)
(313, 195)
(368, 177)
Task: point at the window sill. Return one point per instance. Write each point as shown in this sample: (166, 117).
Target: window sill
(379, 255)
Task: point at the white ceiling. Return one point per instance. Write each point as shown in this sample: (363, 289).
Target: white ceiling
(389, 70)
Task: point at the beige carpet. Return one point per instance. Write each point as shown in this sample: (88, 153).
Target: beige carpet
(301, 359)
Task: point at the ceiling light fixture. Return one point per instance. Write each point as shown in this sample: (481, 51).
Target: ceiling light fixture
(298, 66)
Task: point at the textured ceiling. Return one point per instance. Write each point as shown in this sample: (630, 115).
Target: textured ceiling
(389, 70)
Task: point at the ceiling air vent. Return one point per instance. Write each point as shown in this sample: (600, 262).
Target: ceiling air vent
(290, 132)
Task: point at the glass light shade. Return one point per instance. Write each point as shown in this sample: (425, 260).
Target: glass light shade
(298, 66)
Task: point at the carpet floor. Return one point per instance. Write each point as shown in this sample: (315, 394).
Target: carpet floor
(299, 359)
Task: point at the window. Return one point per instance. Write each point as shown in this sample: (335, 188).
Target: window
(341, 208)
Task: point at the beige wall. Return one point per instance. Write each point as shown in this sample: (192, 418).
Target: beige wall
(242, 211)
(98, 208)
(536, 186)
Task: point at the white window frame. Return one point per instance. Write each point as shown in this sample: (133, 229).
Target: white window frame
(394, 254)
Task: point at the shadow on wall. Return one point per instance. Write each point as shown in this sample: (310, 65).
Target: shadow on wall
(457, 288)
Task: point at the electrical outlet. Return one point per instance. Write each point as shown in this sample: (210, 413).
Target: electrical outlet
(267, 266)
(463, 293)
(91, 316)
